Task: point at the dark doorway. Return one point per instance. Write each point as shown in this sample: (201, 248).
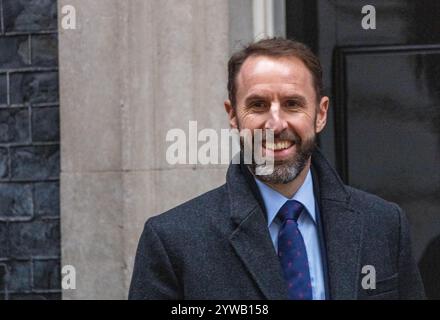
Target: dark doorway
(384, 133)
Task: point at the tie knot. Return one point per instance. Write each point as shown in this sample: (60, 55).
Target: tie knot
(291, 210)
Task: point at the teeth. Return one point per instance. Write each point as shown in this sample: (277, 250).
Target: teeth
(278, 145)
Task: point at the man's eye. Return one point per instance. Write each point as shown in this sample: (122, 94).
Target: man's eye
(258, 104)
(292, 104)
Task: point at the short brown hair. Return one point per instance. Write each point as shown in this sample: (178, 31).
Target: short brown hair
(275, 47)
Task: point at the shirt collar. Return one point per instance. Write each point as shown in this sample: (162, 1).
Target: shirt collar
(273, 200)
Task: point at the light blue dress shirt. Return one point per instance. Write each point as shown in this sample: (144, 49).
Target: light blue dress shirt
(307, 225)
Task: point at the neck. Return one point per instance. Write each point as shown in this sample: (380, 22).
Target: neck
(290, 188)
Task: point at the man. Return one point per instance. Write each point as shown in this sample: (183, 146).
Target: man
(297, 233)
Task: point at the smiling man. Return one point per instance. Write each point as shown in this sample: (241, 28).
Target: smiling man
(296, 233)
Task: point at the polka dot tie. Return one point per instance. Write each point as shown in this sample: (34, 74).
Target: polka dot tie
(292, 252)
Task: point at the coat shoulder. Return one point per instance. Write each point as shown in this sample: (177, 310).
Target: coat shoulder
(374, 207)
(193, 213)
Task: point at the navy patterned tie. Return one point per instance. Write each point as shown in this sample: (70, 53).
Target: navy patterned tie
(292, 252)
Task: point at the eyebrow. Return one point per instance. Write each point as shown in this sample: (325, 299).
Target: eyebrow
(302, 100)
(254, 97)
(296, 97)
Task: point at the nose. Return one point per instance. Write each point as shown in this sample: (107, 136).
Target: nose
(275, 120)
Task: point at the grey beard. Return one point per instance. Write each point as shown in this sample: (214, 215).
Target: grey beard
(288, 171)
(285, 172)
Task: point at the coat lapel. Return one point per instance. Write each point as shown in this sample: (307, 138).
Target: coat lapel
(342, 231)
(251, 229)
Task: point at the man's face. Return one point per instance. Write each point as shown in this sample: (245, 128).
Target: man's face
(278, 94)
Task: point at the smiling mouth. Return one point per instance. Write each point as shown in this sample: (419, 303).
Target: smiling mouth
(278, 145)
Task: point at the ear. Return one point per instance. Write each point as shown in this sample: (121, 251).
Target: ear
(231, 114)
(321, 117)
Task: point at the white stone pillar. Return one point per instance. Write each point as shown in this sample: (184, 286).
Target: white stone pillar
(269, 18)
(129, 72)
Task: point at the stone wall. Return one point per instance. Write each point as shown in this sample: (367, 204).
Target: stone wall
(129, 72)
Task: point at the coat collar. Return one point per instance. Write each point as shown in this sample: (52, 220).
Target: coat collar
(342, 227)
(250, 229)
(342, 231)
